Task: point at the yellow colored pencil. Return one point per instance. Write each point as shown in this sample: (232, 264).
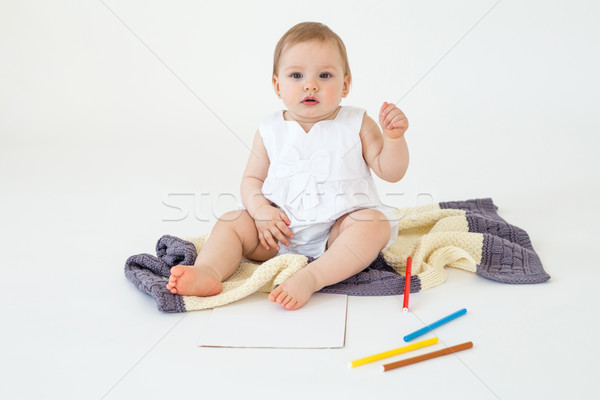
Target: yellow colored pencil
(391, 353)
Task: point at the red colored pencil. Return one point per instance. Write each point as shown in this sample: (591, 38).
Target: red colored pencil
(407, 283)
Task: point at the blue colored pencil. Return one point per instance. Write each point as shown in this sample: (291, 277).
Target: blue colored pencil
(431, 327)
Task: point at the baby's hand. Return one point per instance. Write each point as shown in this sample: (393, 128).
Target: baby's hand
(272, 226)
(392, 120)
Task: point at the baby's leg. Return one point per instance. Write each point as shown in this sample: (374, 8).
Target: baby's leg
(233, 236)
(354, 242)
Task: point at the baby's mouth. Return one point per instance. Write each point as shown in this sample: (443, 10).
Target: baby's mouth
(310, 101)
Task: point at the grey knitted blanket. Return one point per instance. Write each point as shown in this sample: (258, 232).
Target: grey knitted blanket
(464, 234)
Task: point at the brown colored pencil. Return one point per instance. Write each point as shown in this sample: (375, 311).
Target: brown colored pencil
(439, 353)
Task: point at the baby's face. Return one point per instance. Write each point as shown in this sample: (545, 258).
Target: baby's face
(311, 80)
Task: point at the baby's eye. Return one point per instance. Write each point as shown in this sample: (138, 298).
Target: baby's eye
(296, 75)
(325, 75)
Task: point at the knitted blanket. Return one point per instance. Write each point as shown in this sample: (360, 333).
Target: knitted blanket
(469, 235)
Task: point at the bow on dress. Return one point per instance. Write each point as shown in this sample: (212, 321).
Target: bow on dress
(303, 175)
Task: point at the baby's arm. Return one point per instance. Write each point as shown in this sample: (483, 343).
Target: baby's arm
(386, 154)
(254, 177)
(271, 222)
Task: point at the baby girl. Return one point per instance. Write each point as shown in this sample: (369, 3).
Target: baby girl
(307, 187)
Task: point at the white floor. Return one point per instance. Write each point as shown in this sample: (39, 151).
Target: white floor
(123, 121)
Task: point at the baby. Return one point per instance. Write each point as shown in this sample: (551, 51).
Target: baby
(307, 187)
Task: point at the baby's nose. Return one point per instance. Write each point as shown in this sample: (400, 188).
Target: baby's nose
(310, 85)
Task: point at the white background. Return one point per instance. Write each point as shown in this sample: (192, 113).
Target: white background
(121, 121)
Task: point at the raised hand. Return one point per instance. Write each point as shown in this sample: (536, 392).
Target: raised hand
(392, 120)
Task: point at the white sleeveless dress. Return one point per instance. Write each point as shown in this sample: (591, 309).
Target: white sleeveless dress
(319, 176)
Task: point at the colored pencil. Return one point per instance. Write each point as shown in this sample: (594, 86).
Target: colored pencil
(407, 284)
(439, 353)
(391, 353)
(434, 325)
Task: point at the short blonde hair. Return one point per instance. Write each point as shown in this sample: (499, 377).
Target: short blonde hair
(307, 31)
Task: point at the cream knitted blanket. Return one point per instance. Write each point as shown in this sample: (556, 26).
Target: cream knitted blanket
(468, 235)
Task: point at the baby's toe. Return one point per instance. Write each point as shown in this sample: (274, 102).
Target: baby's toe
(275, 293)
(177, 271)
(282, 297)
(288, 300)
(291, 305)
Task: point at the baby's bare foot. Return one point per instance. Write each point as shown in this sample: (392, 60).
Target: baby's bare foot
(296, 291)
(193, 281)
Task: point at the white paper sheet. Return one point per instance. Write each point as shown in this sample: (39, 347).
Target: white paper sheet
(257, 322)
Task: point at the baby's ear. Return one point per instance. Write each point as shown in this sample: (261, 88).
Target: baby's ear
(276, 83)
(346, 87)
